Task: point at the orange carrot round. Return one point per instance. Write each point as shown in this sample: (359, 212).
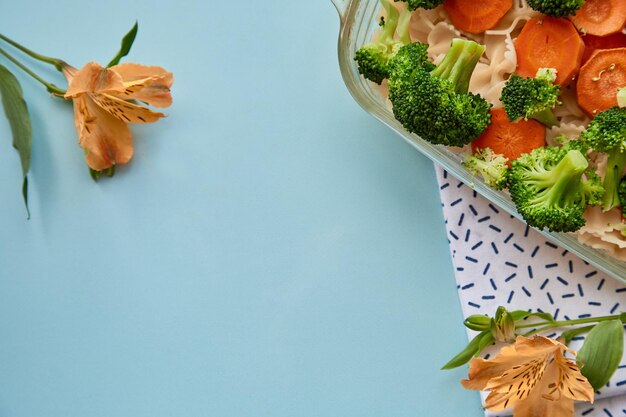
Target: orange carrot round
(476, 16)
(599, 79)
(549, 42)
(601, 17)
(593, 43)
(511, 139)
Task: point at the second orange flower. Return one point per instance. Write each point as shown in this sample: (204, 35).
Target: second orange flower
(106, 101)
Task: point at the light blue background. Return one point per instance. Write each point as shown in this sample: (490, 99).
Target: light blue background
(272, 250)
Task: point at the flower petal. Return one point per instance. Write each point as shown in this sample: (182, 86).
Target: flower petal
(515, 384)
(93, 78)
(481, 371)
(125, 111)
(546, 400)
(533, 376)
(571, 382)
(150, 84)
(106, 140)
(524, 350)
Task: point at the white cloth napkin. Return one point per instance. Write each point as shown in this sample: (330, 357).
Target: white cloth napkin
(498, 260)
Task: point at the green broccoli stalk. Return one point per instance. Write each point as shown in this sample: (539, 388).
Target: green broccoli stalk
(593, 188)
(458, 64)
(621, 97)
(421, 4)
(614, 168)
(556, 8)
(548, 188)
(532, 97)
(492, 167)
(436, 103)
(607, 133)
(373, 58)
(621, 195)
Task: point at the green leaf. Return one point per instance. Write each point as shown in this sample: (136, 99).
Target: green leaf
(519, 314)
(570, 334)
(127, 42)
(16, 112)
(601, 353)
(475, 346)
(485, 341)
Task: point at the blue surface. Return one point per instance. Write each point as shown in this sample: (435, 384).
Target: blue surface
(272, 250)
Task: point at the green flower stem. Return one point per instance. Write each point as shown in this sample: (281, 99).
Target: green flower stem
(541, 329)
(547, 325)
(571, 332)
(552, 324)
(58, 63)
(50, 87)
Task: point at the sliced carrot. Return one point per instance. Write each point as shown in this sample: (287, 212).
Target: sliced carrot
(599, 79)
(592, 43)
(549, 42)
(476, 16)
(511, 139)
(601, 17)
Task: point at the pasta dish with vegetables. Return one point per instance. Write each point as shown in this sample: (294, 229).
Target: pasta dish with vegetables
(530, 93)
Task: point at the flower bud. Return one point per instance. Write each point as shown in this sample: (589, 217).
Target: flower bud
(503, 326)
(478, 322)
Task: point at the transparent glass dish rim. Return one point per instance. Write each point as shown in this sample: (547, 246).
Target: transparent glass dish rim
(358, 21)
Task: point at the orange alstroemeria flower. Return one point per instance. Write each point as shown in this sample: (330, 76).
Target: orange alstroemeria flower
(102, 110)
(533, 376)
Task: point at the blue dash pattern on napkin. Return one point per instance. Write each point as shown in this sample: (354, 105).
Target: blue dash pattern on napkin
(498, 260)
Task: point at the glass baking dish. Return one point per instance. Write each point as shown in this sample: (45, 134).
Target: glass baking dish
(359, 19)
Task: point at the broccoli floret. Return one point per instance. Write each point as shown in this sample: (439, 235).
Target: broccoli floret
(421, 4)
(491, 166)
(569, 144)
(373, 58)
(593, 188)
(408, 58)
(607, 133)
(621, 195)
(556, 8)
(532, 97)
(435, 103)
(548, 188)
